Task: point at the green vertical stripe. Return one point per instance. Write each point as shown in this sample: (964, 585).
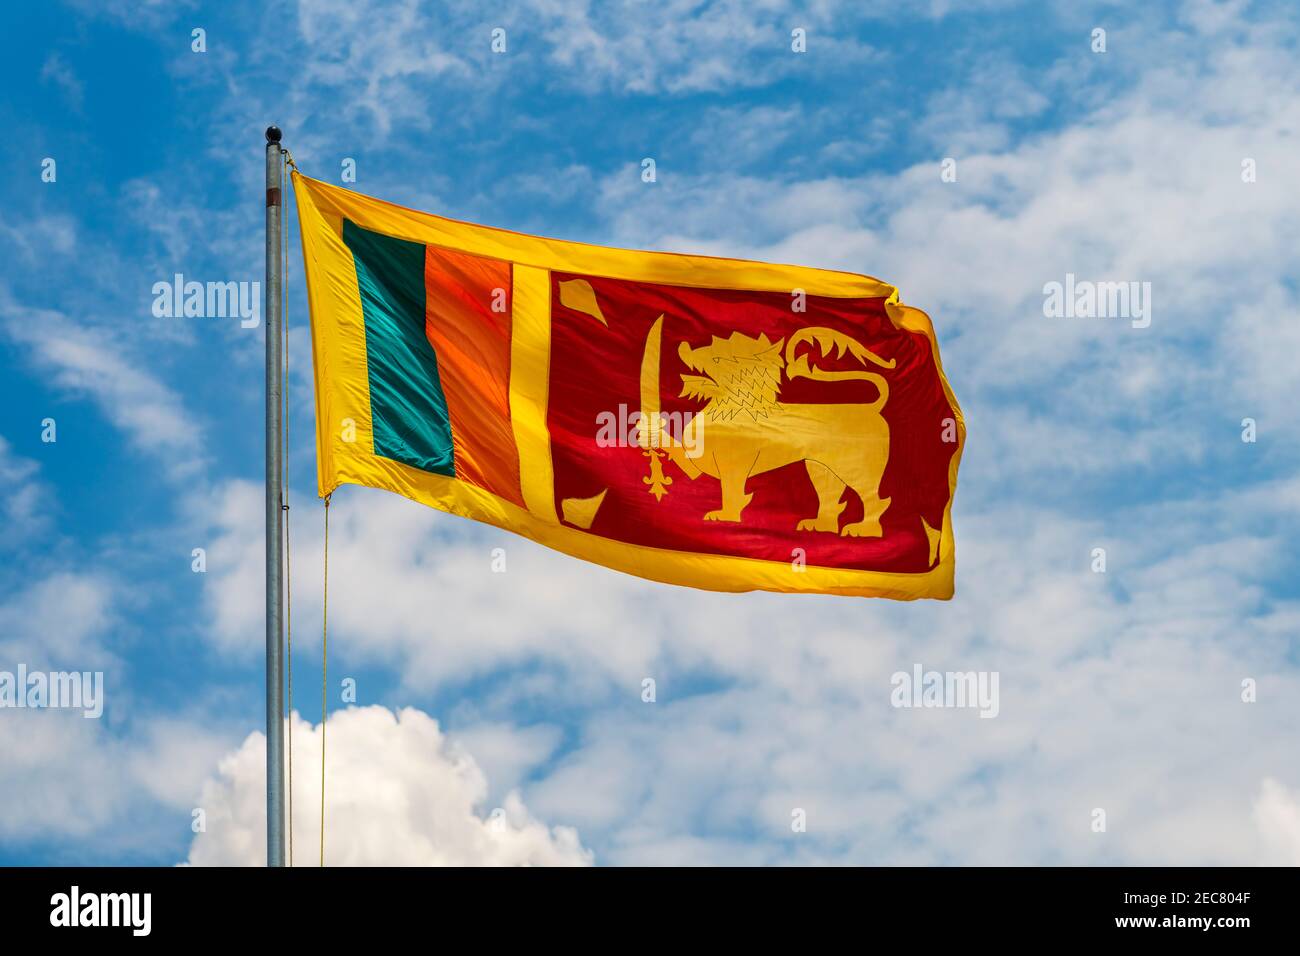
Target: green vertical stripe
(407, 408)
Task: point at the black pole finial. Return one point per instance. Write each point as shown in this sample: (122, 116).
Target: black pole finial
(273, 134)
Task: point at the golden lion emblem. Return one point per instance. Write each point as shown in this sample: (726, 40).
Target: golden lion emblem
(747, 430)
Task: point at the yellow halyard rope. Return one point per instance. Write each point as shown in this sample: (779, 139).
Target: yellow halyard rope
(324, 663)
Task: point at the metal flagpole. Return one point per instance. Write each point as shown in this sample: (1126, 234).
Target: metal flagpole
(274, 513)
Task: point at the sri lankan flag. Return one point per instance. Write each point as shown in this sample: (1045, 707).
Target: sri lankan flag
(707, 422)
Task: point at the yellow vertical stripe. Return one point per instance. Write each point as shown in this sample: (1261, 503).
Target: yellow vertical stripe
(343, 420)
(530, 370)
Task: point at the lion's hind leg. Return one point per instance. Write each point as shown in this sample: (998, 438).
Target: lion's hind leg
(868, 527)
(873, 507)
(863, 472)
(829, 490)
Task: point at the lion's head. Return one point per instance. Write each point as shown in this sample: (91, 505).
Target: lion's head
(743, 374)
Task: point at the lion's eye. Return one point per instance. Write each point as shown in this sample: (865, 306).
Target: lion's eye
(716, 360)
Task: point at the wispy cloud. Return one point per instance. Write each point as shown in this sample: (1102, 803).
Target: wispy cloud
(86, 363)
(26, 500)
(57, 71)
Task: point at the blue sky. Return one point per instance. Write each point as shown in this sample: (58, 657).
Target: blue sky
(500, 717)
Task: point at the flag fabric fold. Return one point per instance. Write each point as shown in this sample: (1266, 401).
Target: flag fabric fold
(708, 422)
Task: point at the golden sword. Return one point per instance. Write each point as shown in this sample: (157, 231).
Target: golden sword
(650, 434)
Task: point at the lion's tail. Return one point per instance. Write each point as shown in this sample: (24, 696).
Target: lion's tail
(826, 340)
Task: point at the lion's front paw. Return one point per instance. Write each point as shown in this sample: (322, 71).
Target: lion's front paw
(862, 529)
(817, 524)
(721, 515)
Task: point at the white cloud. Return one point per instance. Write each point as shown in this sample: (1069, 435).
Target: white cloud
(56, 70)
(62, 774)
(124, 780)
(137, 14)
(1146, 187)
(86, 362)
(506, 753)
(975, 115)
(58, 621)
(384, 554)
(1277, 812)
(1129, 703)
(1120, 691)
(683, 46)
(235, 580)
(740, 135)
(172, 756)
(116, 785)
(397, 793)
(381, 61)
(41, 238)
(377, 57)
(24, 499)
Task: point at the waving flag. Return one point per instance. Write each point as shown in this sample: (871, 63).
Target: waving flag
(708, 422)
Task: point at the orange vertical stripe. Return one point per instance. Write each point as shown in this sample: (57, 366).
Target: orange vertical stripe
(471, 339)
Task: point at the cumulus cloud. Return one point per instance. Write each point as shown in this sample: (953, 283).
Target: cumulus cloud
(397, 792)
